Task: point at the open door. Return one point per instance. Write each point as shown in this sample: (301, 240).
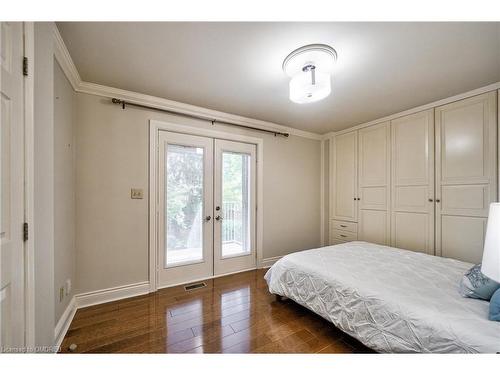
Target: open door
(12, 312)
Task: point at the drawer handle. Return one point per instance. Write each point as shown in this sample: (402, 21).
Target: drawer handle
(343, 235)
(343, 226)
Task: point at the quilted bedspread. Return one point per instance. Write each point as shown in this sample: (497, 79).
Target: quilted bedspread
(392, 300)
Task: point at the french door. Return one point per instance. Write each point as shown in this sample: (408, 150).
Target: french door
(206, 207)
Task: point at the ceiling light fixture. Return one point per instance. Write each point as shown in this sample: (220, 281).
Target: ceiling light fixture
(309, 68)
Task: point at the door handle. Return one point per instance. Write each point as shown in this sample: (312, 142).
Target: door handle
(208, 218)
(431, 200)
(438, 200)
(218, 218)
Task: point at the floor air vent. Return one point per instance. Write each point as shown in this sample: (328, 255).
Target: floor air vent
(189, 287)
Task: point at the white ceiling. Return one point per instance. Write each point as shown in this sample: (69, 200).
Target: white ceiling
(382, 68)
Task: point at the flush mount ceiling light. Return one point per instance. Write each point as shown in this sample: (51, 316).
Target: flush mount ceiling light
(309, 68)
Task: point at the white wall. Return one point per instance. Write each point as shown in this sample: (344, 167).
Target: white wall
(64, 190)
(43, 211)
(112, 157)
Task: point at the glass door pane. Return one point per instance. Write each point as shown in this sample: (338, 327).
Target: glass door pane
(185, 200)
(184, 205)
(235, 204)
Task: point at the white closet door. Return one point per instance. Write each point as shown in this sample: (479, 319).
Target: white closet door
(344, 172)
(466, 177)
(412, 182)
(374, 184)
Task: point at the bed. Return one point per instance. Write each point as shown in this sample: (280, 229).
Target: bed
(391, 300)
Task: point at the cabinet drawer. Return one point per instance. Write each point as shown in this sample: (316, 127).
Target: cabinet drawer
(344, 226)
(341, 235)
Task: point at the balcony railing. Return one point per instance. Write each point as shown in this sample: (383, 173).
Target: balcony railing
(231, 228)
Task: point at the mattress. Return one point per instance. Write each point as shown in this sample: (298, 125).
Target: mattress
(392, 300)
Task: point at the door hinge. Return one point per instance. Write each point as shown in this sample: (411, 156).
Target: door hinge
(25, 66)
(25, 231)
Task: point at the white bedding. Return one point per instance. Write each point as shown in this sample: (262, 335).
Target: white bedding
(391, 300)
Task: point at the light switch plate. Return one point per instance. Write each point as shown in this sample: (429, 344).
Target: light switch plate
(136, 193)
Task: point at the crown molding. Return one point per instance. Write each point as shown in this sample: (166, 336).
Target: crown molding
(328, 135)
(170, 105)
(66, 62)
(481, 90)
(64, 59)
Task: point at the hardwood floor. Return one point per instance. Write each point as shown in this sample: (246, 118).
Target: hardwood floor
(232, 314)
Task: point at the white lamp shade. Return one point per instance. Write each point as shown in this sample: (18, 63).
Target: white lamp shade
(491, 254)
(303, 91)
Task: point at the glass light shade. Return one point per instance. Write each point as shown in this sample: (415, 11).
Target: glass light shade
(491, 253)
(302, 90)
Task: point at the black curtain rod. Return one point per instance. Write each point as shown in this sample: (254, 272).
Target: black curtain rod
(213, 121)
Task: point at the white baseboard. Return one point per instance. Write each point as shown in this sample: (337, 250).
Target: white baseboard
(268, 262)
(111, 294)
(64, 322)
(95, 298)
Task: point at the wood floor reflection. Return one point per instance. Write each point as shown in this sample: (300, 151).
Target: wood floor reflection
(233, 314)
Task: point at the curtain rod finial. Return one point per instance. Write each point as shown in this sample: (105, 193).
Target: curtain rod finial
(118, 101)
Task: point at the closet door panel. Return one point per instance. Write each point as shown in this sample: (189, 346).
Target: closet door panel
(373, 156)
(412, 187)
(464, 142)
(412, 199)
(410, 230)
(463, 238)
(373, 226)
(465, 199)
(344, 174)
(374, 198)
(373, 183)
(466, 174)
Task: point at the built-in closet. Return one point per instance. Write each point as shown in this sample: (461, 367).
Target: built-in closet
(420, 182)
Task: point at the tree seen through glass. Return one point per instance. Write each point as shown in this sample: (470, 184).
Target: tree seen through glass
(184, 203)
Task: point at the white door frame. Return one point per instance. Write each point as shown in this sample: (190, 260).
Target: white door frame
(154, 127)
(29, 188)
